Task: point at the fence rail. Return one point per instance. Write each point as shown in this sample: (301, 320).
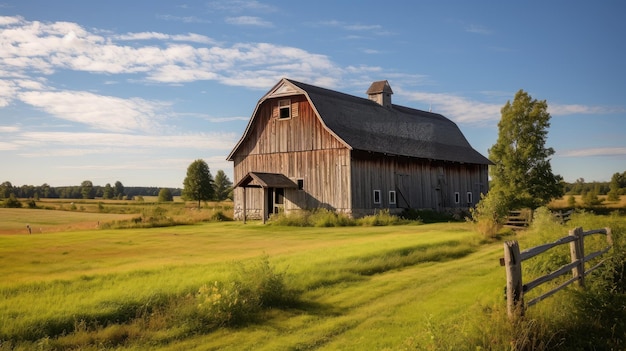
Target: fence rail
(513, 258)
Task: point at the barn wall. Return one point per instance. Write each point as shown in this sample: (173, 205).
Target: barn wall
(419, 184)
(299, 148)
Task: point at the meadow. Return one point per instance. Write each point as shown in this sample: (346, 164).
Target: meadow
(404, 287)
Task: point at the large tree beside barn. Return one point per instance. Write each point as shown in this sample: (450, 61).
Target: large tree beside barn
(522, 170)
(521, 176)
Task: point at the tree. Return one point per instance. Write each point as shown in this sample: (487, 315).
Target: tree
(119, 190)
(165, 195)
(615, 186)
(223, 186)
(6, 189)
(198, 184)
(86, 189)
(522, 169)
(107, 192)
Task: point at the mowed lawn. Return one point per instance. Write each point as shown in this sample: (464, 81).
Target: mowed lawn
(78, 275)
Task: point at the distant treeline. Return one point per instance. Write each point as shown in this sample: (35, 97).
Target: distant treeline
(84, 191)
(616, 186)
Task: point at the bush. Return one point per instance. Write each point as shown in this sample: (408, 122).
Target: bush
(316, 218)
(381, 218)
(490, 213)
(239, 301)
(12, 202)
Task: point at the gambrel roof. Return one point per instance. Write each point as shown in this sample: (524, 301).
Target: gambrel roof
(362, 124)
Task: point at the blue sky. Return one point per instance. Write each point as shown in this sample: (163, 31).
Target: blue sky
(136, 90)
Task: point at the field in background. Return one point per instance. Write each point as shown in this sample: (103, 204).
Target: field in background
(564, 202)
(54, 215)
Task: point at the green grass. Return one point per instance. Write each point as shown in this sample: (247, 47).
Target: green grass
(424, 287)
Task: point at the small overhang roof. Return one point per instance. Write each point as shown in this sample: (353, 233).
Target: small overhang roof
(265, 180)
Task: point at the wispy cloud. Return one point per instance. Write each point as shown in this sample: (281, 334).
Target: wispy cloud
(239, 6)
(594, 152)
(189, 37)
(353, 27)
(184, 19)
(459, 109)
(97, 111)
(248, 21)
(576, 109)
(60, 140)
(478, 29)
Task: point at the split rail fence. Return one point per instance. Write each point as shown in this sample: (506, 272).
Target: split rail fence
(513, 258)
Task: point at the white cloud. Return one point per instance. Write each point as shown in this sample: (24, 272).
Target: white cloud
(477, 29)
(239, 6)
(9, 129)
(189, 37)
(594, 152)
(202, 141)
(7, 146)
(8, 90)
(575, 109)
(185, 19)
(97, 111)
(248, 21)
(42, 48)
(457, 108)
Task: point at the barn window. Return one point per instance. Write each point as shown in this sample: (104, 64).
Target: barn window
(300, 184)
(469, 197)
(392, 197)
(457, 197)
(284, 109)
(377, 197)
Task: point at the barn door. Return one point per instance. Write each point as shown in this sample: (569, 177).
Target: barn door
(403, 190)
(275, 200)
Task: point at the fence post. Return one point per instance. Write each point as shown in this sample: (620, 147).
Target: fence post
(577, 252)
(514, 289)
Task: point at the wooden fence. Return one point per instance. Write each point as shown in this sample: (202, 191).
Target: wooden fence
(513, 258)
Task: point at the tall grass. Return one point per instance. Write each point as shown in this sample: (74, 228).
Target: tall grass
(231, 286)
(327, 218)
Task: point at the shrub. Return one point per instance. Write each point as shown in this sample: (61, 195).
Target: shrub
(12, 202)
(490, 213)
(316, 218)
(380, 218)
(238, 301)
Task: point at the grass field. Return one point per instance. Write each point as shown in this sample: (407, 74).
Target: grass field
(408, 287)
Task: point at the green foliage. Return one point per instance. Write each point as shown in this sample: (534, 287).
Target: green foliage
(522, 169)
(223, 186)
(490, 213)
(12, 202)
(315, 218)
(380, 218)
(198, 184)
(327, 218)
(238, 301)
(86, 189)
(165, 195)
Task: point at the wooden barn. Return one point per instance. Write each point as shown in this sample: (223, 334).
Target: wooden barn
(307, 147)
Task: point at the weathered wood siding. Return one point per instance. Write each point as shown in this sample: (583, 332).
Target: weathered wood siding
(419, 184)
(300, 148)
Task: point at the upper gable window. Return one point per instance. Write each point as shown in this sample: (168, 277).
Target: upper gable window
(284, 108)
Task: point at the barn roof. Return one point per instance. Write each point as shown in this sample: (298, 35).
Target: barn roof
(265, 180)
(362, 124)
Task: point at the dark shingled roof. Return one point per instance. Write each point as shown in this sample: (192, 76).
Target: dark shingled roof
(362, 124)
(265, 180)
(365, 125)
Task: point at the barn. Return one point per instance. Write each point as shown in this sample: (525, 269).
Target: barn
(307, 147)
